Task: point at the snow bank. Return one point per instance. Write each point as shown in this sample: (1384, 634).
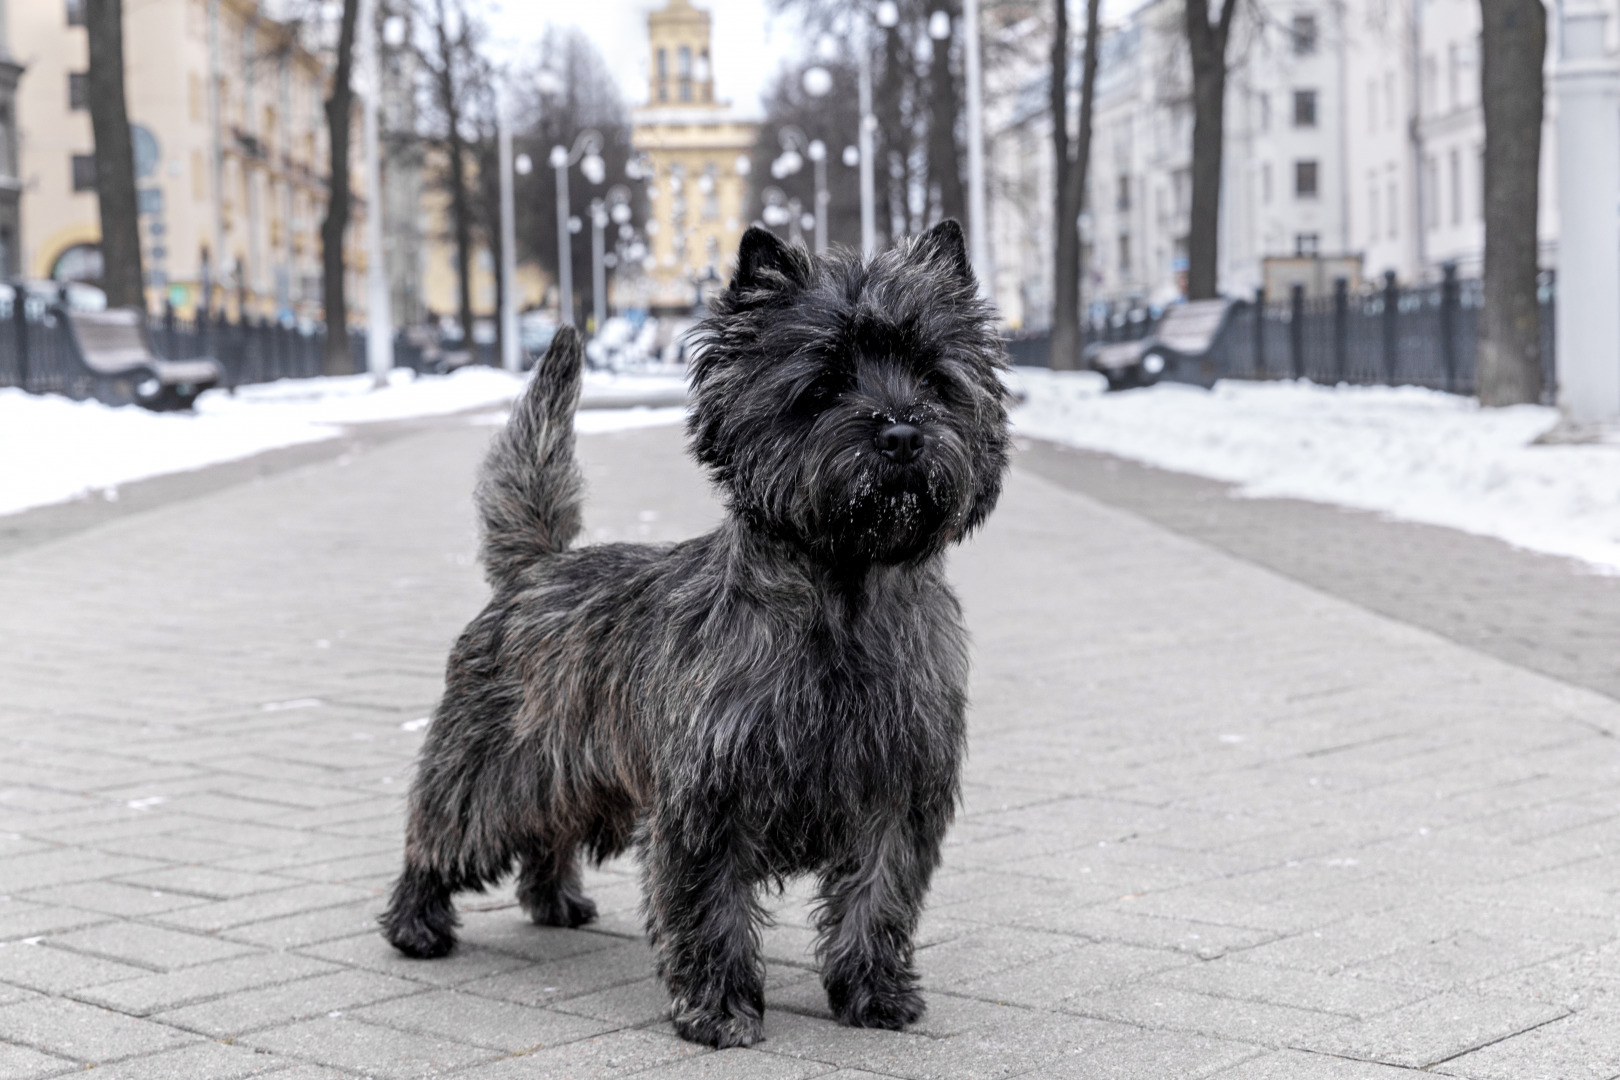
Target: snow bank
(1414, 454)
(53, 449)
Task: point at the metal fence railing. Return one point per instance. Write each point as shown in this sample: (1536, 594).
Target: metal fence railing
(36, 351)
(1424, 335)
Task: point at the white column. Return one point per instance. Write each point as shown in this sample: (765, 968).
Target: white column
(1588, 307)
(978, 225)
(379, 317)
(511, 354)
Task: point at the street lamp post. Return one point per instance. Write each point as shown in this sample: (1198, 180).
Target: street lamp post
(587, 151)
(379, 319)
(614, 209)
(511, 353)
(978, 226)
(795, 148)
(868, 125)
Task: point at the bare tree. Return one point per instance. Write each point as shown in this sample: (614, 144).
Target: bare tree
(580, 93)
(1206, 45)
(459, 80)
(339, 111)
(1073, 162)
(831, 119)
(115, 156)
(1514, 45)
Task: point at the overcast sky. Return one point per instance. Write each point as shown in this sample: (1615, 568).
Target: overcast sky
(749, 45)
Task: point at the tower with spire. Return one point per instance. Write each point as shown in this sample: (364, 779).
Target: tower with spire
(692, 151)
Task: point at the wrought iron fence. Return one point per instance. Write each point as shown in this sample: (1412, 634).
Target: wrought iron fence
(36, 351)
(1425, 335)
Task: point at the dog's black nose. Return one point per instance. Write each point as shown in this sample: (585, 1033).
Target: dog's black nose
(900, 442)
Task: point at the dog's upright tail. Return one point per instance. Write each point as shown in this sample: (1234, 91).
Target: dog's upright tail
(529, 492)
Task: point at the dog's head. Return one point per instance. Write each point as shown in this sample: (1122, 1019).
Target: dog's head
(853, 407)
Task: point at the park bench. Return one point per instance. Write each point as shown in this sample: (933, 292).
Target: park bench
(1183, 348)
(118, 367)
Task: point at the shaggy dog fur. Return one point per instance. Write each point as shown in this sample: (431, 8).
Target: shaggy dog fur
(782, 696)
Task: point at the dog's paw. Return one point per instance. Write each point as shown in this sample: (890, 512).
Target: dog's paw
(891, 1007)
(418, 937)
(563, 907)
(718, 1028)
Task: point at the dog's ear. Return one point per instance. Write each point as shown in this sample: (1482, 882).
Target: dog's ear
(764, 262)
(945, 246)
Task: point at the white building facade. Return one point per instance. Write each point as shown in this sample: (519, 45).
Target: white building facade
(1354, 141)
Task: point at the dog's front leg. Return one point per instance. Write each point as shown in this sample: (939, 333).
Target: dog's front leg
(869, 910)
(703, 917)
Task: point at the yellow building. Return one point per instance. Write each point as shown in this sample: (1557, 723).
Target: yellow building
(693, 152)
(232, 182)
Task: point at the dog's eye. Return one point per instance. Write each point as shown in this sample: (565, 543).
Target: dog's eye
(817, 397)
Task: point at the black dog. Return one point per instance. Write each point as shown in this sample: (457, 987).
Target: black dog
(782, 696)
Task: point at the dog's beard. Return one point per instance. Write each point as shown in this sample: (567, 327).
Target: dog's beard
(854, 504)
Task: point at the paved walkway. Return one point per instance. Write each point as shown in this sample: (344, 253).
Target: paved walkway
(1218, 822)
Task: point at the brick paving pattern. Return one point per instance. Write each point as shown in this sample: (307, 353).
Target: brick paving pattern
(1218, 823)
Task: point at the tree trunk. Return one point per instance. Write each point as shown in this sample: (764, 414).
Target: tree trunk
(115, 156)
(456, 148)
(895, 145)
(339, 109)
(1514, 44)
(1065, 344)
(944, 156)
(1207, 48)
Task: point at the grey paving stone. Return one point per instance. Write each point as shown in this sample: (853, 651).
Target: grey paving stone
(209, 882)
(1068, 977)
(1299, 1065)
(619, 1053)
(56, 866)
(736, 1064)
(263, 906)
(1585, 1046)
(370, 952)
(309, 927)
(542, 984)
(364, 1048)
(56, 971)
(199, 1061)
(1147, 1055)
(155, 993)
(499, 1025)
(1345, 993)
(970, 1040)
(1165, 1008)
(112, 898)
(1433, 1030)
(84, 1033)
(22, 1063)
(20, 919)
(148, 946)
(1461, 959)
(981, 951)
(259, 1008)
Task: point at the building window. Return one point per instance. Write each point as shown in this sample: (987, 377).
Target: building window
(1304, 179)
(1307, 245)
(1304, 108)
(1122, 200)
(663, 75)
(1430, 192)
(1456, 188)
(84, 172)
(1372, 206)
(1265, 112)
(78, 96)
(683, 69)
(1265, 183)
(1304, 35)
(75, 12)
(1372, 106)
(1124, 253)
(1392, 205)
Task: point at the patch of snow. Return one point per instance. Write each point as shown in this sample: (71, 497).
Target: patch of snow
(57, 449)
(1414, 454)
